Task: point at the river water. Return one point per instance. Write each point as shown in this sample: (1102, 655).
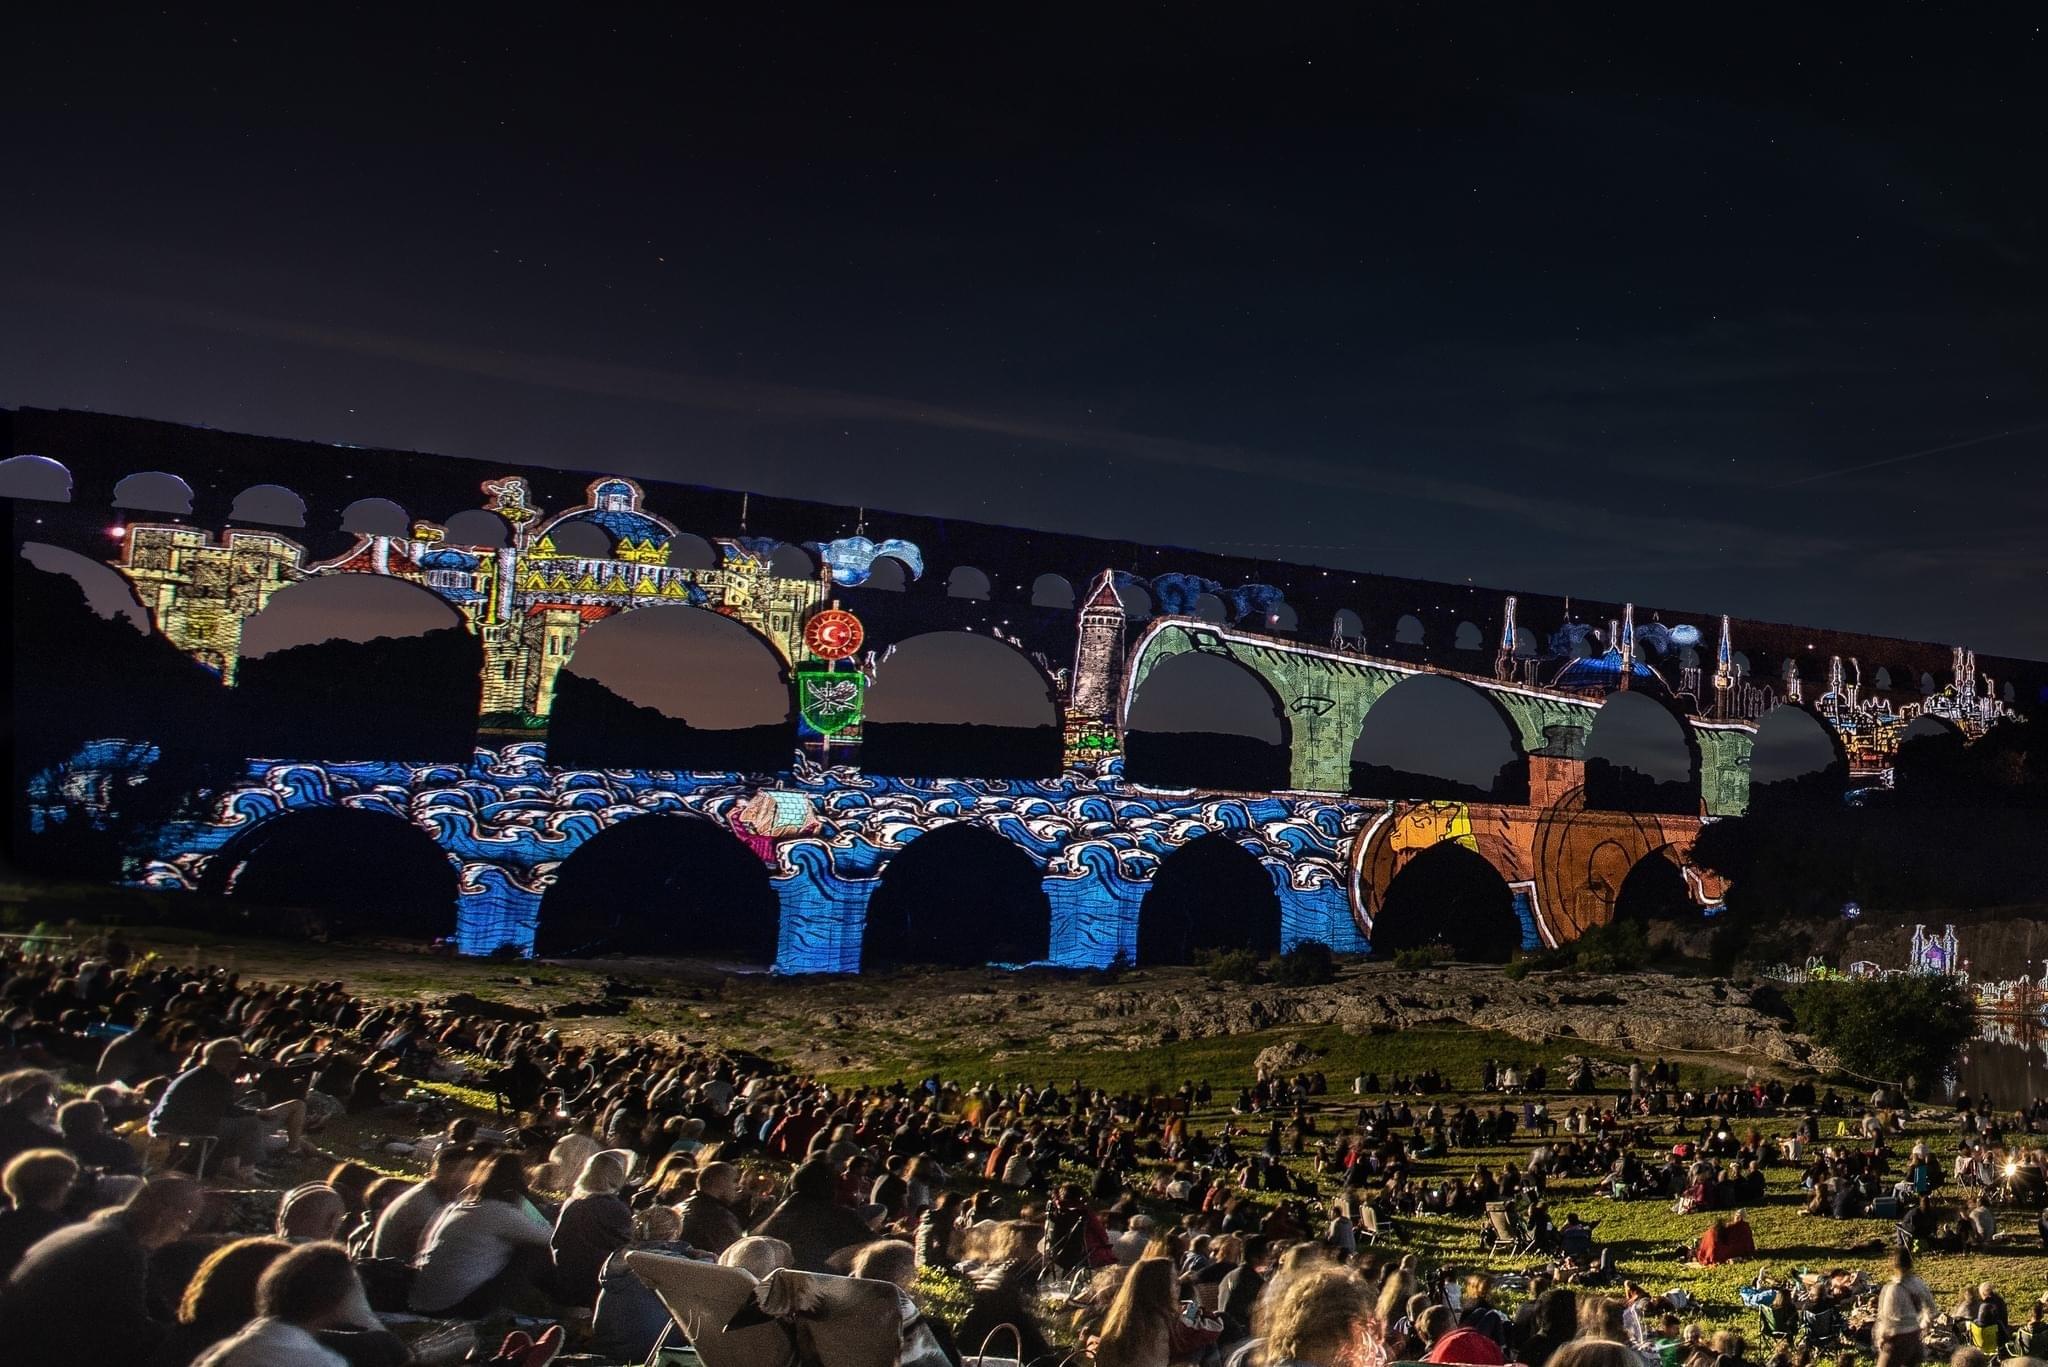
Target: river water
(2009, 1060)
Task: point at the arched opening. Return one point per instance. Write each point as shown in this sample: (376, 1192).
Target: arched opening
(1881, 681)
(1210, 608)
(667, 687)
(664, 883)
(1408, 631)
(1347, 627)
(85, 671)
(1468, 637)
(958, 704)
(36, 477)
(346, 870)
(1796, 760)
(376, 517)
(1052, 591)
(1433, 736)
(577, 540)
(476, 529)
(153, 491)
(1655, 890)
(1640, 757)
(1738, 661)
(358, 666)
(1210, 894)
(958, 894)
(1282, 617)
(688, 551)
(1206, 721)
(1926, 682)
(1930, 759)
(888, 574)
(967, 582)
(1137, 598)
(268, 505)
(791, 562)
(107, 591)
(1526, 645)
(1448, 895)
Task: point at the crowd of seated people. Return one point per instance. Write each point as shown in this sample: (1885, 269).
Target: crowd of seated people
(142, 1103)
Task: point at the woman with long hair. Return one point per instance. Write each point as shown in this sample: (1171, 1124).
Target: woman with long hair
(486, 1250)
(220, 1300)
(1322, 1318)
(1143, 1327)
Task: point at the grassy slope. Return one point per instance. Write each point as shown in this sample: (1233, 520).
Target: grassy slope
(1645, 1234)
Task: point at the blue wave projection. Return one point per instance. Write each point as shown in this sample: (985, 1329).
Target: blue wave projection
(508, 820)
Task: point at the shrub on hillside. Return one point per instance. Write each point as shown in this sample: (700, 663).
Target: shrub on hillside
(1615, 947)
(1229, 965)
(1897, 1029)
(1309, 964)
(1421, 956)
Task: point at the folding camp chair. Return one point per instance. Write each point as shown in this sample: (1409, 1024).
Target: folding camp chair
(1506, 1231)
(702, 1298)
(1367, 1226)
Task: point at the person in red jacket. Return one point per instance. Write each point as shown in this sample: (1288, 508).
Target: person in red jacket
(1727, 1240)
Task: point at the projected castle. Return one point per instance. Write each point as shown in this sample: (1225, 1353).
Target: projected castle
(528, 601)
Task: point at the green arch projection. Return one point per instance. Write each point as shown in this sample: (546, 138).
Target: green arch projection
(1327, 694)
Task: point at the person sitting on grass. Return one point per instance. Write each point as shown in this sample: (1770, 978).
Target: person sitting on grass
(307, 1292)
(81, 1295)
(488, 1250)
(1728, 1239)
(37, 1183)
(201, 1101)
(1980, 1226)
(2032, 1339)
(1449, 1341)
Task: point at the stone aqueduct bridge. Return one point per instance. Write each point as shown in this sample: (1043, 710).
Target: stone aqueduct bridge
(1564, 861)
(510, 821)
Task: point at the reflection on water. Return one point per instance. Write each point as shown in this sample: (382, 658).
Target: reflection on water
(2008, 1060)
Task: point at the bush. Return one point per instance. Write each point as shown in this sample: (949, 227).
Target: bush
(1421, 957)
(1899, 1029)
(1615, 947)
(1229, 965)
(1309, 964)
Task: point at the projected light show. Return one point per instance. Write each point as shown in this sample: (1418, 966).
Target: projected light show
(579, 706)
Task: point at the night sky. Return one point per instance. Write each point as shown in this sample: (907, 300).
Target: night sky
(1722, 309)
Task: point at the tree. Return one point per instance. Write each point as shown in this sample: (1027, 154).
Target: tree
(1889, 1029)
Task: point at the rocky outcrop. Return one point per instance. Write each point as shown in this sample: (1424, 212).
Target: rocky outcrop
(1649, 1014)
(1645, 1013)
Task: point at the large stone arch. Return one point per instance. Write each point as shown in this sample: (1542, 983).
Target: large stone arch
(1390, 840)
(338, 870)
(1210, 894)
(958, 894)
(1580, 858)
(1642, 756)
(960, 704)
(1796, 759)
(660, 883)
(1449, 894)
(1205, 720)
(357, 666)
(1435, 736)
(670, 686)
(1655, 889)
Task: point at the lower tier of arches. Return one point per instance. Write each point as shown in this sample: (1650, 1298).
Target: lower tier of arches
(832, 870)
